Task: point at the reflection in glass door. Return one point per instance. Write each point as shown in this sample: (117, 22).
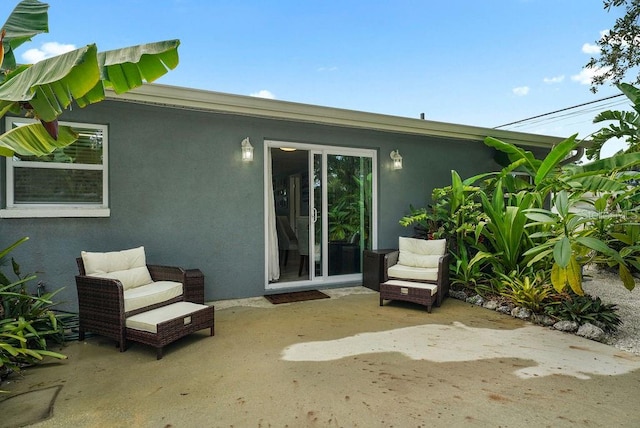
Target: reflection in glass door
(335, 220)
(348, 211)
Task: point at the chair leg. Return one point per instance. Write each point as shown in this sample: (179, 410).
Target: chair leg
(123, 343)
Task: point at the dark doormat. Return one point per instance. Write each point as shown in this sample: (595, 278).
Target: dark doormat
(29, 407)
(297, 296)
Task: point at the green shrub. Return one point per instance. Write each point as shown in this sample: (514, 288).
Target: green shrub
(27, 323)
(531, 292)
(583, 309)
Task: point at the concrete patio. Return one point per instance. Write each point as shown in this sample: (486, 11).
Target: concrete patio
(344, 362)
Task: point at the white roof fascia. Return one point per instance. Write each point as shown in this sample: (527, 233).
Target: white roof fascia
(201, 100)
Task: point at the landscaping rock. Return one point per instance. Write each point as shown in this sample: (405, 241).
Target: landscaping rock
(522, 313)
(504, 309)
(590, 331)
(491, 304)
(475, 300)
(544, 320)
(458, 294)
(568, 326)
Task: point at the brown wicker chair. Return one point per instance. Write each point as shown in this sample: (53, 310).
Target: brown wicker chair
(101, 300)
(430, 267)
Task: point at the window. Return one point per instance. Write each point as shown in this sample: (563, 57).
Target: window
(70, 182)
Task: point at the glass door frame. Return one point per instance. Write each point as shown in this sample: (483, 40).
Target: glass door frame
(323, 150)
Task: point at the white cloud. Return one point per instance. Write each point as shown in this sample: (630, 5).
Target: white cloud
(586, 75)
(47, 50)
(555, 79)
(588, 48)
(263, 93)
(521, 91)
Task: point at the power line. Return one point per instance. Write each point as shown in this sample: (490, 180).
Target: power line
(558, 111)
(569, 115)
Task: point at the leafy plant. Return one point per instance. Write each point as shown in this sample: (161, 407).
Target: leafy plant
(531, 292)
(465, 271)
(583, 309)
(45, 89)
(570, 240)
(506, 237)
(528, 217)
(27, 323)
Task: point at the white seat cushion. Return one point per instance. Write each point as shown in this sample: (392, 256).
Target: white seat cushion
(150, 294)
(127, 266)
(435, 247)
(421, 252)
(408, 284)
(130, 278)
(410, 272)
(149, 320)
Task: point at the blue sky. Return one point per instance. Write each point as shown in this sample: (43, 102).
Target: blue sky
(483, 63)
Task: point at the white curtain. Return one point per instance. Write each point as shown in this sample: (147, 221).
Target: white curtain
(272, 233)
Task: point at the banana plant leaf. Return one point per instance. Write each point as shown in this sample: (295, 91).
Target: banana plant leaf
(125, 69)
(515, 153)
(29, 18)
(553, 159)
(596, 182)
(51, 85)
(33, 139)
(617, 162)
(630, 92)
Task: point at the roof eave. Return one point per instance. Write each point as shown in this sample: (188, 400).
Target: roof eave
(195, 99)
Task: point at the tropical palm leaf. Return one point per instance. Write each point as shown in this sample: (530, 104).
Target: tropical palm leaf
(553, 159)
(617, 162)
(127, 68)
(515, 153)
(50, 85)
(27, 19)
(630, 92)
(33, 139)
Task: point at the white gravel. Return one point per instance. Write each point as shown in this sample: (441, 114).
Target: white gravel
(609, 288)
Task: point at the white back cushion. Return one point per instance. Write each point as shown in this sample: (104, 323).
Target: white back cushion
(421, 252)
(127, 266)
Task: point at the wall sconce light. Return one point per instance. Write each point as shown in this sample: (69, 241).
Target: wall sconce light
(247, 150)
(397, 159)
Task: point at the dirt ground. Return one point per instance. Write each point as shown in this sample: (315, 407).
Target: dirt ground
(344, 362)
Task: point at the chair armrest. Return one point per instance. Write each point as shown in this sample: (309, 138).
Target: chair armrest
(390, 259)
(443, 277)
(167, 273)
(100, 297)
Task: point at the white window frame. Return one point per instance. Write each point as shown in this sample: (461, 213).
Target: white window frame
(17, 210)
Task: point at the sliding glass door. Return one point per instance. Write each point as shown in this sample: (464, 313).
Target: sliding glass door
(348, 211)
(325, 196)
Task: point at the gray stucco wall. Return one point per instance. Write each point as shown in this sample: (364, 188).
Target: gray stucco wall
(178, 187)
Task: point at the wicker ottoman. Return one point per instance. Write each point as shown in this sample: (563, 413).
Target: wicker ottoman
(161, 326)
(417, 292)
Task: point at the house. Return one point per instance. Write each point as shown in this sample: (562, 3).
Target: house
(162, 167)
